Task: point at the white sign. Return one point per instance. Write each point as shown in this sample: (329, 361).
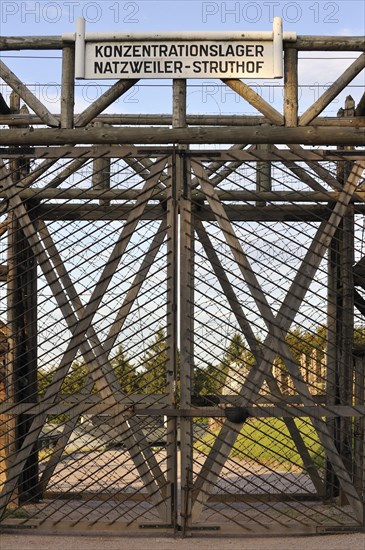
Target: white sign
(179, 55)
(198, 59)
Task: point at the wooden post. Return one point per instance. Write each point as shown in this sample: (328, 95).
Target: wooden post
(359, 426)
(183, 183)
(359, 393)
(22, 311)
(67, 88)
(347, 261)
(172, 342)
(341, 327)
(291, 87)
(101, 174)
(4, 424)
(263, 174)
(173, 193)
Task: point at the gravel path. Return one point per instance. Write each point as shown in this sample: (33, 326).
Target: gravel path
(351, 541)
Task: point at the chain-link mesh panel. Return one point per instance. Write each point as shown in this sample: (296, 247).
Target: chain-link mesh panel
(273, 279)
(183, 345)
(89, 265)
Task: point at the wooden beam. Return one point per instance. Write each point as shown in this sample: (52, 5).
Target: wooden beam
(328, 43)
(291, 88)
(303, 175)
(101, 175)
(243, 196)
(192, 120)
(353, 70)
(4, 108)
(218, 171)
(70, 169)
(359, 425)
(106, 99)
(263, 175)
(27, 96)
(255, 100)
(281, 410)
(37, 172)
(303, 42)
(67, 87)
(3, 272)
(129, 153)
(278, 135)
(54, 42)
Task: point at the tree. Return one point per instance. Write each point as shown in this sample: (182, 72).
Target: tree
(236, 350)
(73, 383)
(154, 365)
(76, 379)
(207, 380)
(124, 371)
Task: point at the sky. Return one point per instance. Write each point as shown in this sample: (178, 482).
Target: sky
(41, 70)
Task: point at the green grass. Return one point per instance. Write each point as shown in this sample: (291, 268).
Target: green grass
(268, 442)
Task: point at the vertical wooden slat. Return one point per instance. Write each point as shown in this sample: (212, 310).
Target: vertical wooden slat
(263, 174)
(291, 87)
(183, 188)
(173, 194)
(332, 351)
(172, 343)
(67, 87)
(359, 426)
(346, 289)
(22, 311)
(101, 174)
(24, 321)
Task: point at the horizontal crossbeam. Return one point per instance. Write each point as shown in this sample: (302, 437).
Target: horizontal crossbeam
(227, 134)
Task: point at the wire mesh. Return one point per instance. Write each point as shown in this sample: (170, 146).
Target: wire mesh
(94, 429)
(276, 467)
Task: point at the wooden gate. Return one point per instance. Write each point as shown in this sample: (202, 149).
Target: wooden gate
(184, 337)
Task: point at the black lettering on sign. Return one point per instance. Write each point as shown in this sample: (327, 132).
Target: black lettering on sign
(123, 67)
(98, 51)
(259, 50)
(127, 49)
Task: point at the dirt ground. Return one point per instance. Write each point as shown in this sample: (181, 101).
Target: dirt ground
(353, 541)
